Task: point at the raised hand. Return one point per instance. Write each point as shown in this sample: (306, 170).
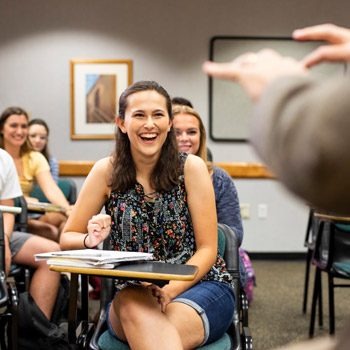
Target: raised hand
(254, 71)
(338, 49)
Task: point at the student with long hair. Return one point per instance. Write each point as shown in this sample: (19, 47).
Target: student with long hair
(160, 201)
(32, 167)
(38, 136)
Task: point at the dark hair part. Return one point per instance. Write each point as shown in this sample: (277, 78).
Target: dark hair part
(202, 150)
(181, 101)
(168, 168)
(45, 150)
(25, 148)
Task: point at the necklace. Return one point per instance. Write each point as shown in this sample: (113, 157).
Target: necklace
(151, 195)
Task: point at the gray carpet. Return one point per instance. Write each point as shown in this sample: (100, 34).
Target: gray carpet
(275, 315)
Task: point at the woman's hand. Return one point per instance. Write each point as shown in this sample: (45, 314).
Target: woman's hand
(98, 227)
(159, 293)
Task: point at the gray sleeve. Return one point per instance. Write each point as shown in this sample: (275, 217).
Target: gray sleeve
(301, 131)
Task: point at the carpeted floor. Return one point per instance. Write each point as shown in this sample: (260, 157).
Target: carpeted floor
(275, 315)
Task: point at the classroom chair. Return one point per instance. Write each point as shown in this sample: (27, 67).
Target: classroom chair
(238, 336)
(331, 255)
(21, 273)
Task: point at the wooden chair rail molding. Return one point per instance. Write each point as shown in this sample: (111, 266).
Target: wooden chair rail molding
(235, 170)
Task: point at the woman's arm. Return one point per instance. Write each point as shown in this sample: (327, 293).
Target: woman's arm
(92, 197)
(201, 203)
(52, 192)
(227, 202)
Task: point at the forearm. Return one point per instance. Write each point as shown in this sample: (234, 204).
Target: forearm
(55, 196)
(72, 240)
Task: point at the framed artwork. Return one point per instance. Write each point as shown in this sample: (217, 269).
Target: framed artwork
(95, 89)
(230, 108)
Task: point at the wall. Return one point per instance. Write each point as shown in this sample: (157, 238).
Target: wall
(167, 41)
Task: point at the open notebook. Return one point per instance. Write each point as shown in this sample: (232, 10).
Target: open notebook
(105, 259)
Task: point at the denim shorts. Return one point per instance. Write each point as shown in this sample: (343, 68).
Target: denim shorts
(215, 303)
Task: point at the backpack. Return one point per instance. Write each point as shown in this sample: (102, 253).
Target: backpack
(250, 284)
(35, 331)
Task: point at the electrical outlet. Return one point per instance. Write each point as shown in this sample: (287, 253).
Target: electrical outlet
(245, 211)
(262, 211)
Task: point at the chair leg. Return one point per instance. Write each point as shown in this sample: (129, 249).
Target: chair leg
(307, 274)
(331, 304)
(314, 301)
(320, 303)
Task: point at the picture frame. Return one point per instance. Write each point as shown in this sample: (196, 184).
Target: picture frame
(95, 89)
(230, 108)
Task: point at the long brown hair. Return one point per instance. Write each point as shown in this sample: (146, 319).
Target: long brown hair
(25, 148)
(168, 168)
(45, 150)
(202, 150)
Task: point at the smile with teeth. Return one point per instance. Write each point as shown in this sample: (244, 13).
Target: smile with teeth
(149, 136)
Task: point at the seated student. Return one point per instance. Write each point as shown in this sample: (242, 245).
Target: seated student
(32, 166)
(162, 202)
(38, 136)
(22, 246)
(191, 138)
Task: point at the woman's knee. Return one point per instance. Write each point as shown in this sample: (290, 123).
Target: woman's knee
(131, 301)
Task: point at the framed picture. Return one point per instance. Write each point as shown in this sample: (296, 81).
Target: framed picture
(95, 89)
(230, 109)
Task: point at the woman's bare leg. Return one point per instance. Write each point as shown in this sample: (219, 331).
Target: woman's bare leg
(44, 284)
(136, 318)
(56, 219)
(43, 229)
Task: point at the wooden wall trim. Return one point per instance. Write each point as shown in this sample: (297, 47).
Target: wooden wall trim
(235, 170)
(246, 170)
(75, 167)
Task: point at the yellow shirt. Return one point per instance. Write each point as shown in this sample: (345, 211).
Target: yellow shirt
(33, 164)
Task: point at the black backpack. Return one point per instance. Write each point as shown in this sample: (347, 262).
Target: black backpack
(35, 331)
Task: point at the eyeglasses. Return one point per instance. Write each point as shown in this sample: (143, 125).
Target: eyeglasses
(41, 136)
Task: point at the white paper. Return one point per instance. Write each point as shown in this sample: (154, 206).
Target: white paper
(94, 256)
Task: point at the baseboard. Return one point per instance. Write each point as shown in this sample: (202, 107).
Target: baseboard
(277, 255)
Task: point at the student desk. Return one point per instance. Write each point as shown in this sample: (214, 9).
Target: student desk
(155, 272)
(38, 207)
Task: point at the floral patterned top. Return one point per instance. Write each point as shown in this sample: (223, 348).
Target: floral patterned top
(163, 227)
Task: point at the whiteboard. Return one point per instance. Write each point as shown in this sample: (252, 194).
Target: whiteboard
(230, 108)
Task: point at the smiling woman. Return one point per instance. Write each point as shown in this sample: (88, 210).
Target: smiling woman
(160, 201)
(32, 166)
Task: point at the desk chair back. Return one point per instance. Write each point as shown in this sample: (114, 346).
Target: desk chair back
(21, 273)
(331, 255)
(238, 336)
(67, 186)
